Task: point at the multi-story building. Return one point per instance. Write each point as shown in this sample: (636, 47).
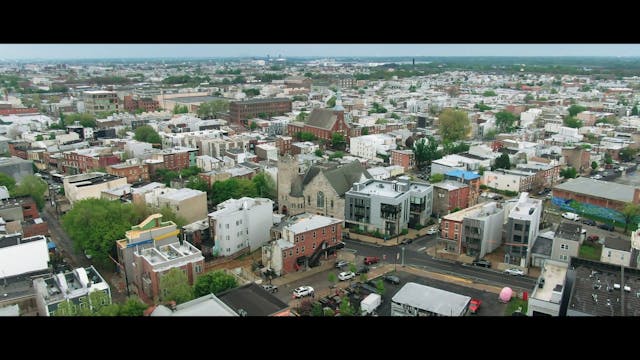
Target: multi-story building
(404, 158)
(449, 195)
(131, 104)
(153, 262)
(73, 287)
(90, 185)
(304, 239)
(467, 177)
(191, 204)
(510, 180)
(283, 143)
(566, 241)
(522, 229)
(386, 206)
(85, 160)
(243, 110)
(16, 167)
(482, 229)
(323, 123)
(369, 146)
(133, 171)
(177, 158)
(616, 250)
(242, 223)
(101, 101)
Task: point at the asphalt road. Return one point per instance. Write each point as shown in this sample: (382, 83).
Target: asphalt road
(62, 240)
(420, 259)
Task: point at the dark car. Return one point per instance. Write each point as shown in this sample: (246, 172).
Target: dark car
(362, 270)
(392, 279)
(339, 245)
(406, 241)
(368, 288)
(482, 263)
(588, 222)
(606, 226)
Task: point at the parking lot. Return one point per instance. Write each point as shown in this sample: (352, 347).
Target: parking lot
(490, 304)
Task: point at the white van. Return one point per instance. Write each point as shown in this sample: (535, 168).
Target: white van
(571, 216)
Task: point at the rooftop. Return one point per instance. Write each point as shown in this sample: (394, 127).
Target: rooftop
(379, 188)
(4, 161)
(450, 185)
(72, 284)
(599, 188)
(252, 300)
(525, 207)
(431, 299)
(553, 274)
(468, 212)
(261, 101)
(90, 179)
(617, 242)
(543, 244)
(160, 256)
(181, 194)
(569, 231)
(465, 175)
(306, 222)
(207, 305)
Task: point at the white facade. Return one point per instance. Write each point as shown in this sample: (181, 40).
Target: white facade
(241, 223)
(615, 257)
(368, 146)
(528, 117)
(29, 255)
(90, 186)
(137, 148)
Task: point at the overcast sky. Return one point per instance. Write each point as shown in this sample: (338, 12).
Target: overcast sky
(95, 51)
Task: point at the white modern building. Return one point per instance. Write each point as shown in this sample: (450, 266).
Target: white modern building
(522, 229)
(482, 229)
(22, 255)
(241, 223)
(369, 146)
(90, 185)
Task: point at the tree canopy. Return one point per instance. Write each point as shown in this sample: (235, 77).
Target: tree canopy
(454, 125)
(33, 186)
(146, 133)
(630, 211)
(503, 162)
(209, 109)
(8, 181)
(265, 186)
(569, 173)
(572, 122)
(214, 283)
(174, 286)
(425, 150)
(576, 109)
(505, 121)
(337, 139)
(84, 119)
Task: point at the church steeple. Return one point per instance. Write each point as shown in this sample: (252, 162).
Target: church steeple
(338, 106)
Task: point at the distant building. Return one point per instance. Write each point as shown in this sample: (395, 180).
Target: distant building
(16, 167)
(191, 204)
(90, 185)
(243, 110)
(101, 101)
(404, 158)
(73, 286)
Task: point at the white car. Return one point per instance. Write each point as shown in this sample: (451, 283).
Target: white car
(432, 231)
(302, 291)
(346, 275)
(571, 216)
(514, 271)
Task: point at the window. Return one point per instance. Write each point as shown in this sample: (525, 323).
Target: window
(198, 269)
(314, 245)
(564, 246)
(332, 204)
(227, 237)
(226, 226)
(333, 229)
(303, 249)
(320, 199)
(564, 257)
(314, 234)
(446, 225)
(609, 253)
(308, 200)
(324, 231)
(284, 254)
(290, 252)
(297, 239)
(457, 227)
(297, 251)
(455, 236)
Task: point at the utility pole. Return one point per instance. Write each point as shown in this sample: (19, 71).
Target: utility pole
(403, 256)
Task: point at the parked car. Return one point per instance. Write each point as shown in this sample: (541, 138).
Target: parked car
(406, 241)
(514, 272)
(593, 238)
(302, 291)
(341, 263)
(571, 216)
(371, 260)
(392, 279)
(432, 231)
(362, 270)
(606, 226)
(474, 305)
(346, 275)
(339, 245)
(588, 222)
(483, 263)
(270, 288)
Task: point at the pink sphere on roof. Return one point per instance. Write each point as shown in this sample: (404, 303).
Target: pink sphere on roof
(505, 294)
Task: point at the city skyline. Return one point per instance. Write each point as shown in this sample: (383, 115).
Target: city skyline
(98, 51)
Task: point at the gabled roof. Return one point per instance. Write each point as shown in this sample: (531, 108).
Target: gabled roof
(342, 178)
(322, 118)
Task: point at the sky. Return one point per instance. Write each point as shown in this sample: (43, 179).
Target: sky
(96, 51)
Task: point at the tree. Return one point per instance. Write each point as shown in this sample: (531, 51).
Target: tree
(332, 279)
(331, 102)
(253, 126)
(363, 277)
(425, 150)
(33, 186)
(302, 116)
(365, 131)
(8, 181)
(575, 110)
(337, 139)
(628, 154)
(39, 137)
(503, 162)
(336, 155)
(454, 125)
(132, 307)
(594, 165)
(265, 186)
(251, 92)
(569, 173)
(214, 283)
(490, 134)
(174, 286)
(318, 153)
(122, 132)
(146, 133)
(380, 287)
(608, 159)
(95, 224)
(305, 136)
(505, 121)
(328, 312)
(316, 309)
(634, 110)
(436, 178)
(353, 268)
(572, 122)
(84, 119)
(345, 307)
(180, 109)
(210, 109)
(481, 170)
(630, 211)
(489, 93)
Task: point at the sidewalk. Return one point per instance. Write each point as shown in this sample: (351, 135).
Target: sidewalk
(412, 234)
(291, 277)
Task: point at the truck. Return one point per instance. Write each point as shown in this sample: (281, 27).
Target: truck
(369, 304)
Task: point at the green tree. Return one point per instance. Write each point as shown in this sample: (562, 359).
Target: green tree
(132, 307)
(505, 121)
(214, 282)
(412, 88)
(331, 102)
(305, 136)
(180, 109)
(337, 139)
(454, 125)
(363, 277)
(490, 134)
(39, 137)
(319, 153)
(572, 122)
(353, 268)
(345, 307)
(365, 131)
(302, 116)
(575, 110)
(94, 225)
(232, 188)
(503, 162)
(568, 173)
(174, 286)
(52, 136)
(436, 178)
(251, 92)
(489, 93)
(332, 279)
(328, 312)
(146, 133)
(253, 126)
(316, 309)
(425, 150)
(630, 211)
(628, 154)
(84, 119)
(528, 98)
(210, 109)
(33, 186)
(122, 132)
(608, 159)
(594, 165)
(265, 186)
(481, 170)
(380, 287)
(336, 155)
(8, 181)
(634, 110)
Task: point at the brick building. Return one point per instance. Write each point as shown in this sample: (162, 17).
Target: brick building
(147, 104)
(323, 123)
(404, 158)
(134, 173)
(242, 110)
(177, 158)
(85, 160)
(448, 195)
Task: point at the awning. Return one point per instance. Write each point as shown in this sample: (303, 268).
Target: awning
(51, 245)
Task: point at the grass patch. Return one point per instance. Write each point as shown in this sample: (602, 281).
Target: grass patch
(514, 304)
(590, 252)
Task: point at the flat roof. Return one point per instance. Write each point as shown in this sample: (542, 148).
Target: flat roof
(450, 185)
(306, 222)
(207, 305)
(466, 175)
(432, 299)
(181, 194)
(252, 300)
(598, 188)
(569, 231)
(260, 101)
(617, 242)
(553, 275)
(468, 212)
